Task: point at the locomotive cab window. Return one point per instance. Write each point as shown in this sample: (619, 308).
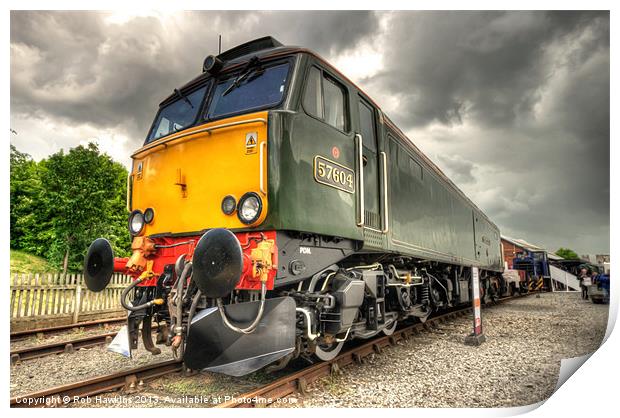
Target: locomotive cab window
(177, 115)
(325, 99)
(256, 88)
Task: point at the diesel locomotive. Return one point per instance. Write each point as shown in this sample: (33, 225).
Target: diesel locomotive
(277, 212)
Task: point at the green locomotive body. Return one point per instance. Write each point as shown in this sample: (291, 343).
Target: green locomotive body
(344, 227)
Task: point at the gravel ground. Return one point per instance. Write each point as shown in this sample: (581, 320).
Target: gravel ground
(60, 369)
(518, 365)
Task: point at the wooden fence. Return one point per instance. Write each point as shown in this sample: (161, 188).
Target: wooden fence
(42, 300)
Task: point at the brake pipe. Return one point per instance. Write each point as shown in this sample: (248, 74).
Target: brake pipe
(249, 329)
(309, 334)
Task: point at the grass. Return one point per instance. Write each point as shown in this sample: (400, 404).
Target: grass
(334, 385)
(22, 262)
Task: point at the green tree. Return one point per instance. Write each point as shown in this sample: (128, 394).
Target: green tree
(25, 191)
(567, 254)
(81, 191)
(61, 204)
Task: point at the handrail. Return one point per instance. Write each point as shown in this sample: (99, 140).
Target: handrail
(261, 168)
(360, 165)
(385, 194)
(207, 129)
(129, 190)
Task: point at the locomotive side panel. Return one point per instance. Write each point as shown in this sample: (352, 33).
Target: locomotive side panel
(316, 176)
(488, 244)
(428, 219)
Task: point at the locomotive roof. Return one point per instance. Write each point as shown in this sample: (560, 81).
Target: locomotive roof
(238, 56)
(269, 47)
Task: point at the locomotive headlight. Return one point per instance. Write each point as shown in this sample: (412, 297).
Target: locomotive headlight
(249, 208)
(212, 64)
(136, 222)
(229, 204)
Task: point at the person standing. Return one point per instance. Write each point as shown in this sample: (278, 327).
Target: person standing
(586, 283)
(582, 276)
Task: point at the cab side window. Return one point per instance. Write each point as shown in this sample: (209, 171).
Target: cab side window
(334, 104)
(324, 99)
(313, 98)
(367, 125)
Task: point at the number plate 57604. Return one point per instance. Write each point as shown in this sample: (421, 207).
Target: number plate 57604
(333, 174)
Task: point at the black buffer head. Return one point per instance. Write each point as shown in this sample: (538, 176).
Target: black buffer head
(98, 265)
(217, 263)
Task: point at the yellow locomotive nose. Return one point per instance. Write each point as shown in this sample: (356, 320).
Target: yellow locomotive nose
(187, 177)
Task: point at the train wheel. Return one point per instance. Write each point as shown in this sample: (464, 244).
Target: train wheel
(390, 330)
(327, 352)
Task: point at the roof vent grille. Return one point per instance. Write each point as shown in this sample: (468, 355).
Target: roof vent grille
(249, 48)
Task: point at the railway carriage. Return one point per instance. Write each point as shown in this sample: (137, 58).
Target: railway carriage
(276, 212)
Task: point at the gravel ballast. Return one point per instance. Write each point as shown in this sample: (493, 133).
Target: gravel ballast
(60, 369)
(518, 365)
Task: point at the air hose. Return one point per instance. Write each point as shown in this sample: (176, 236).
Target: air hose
(132, 308)
(192, 309)
(176, 322)
(249, 329)
(179, 293)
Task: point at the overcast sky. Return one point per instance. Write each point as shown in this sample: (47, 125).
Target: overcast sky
(513, 106)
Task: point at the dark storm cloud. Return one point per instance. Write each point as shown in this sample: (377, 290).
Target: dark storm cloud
(83, 70)
(513, 106)
(485, 65)
(460, 170)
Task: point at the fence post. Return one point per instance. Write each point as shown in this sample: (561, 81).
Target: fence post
(78, 300)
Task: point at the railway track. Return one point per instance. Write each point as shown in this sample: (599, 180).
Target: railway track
(70, 346)
(67, 346)
(62, 395)
(263, 396)
(22, 335)
(297, 382)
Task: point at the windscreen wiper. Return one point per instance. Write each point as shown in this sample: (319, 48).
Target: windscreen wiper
(184, 97)
(253, 67)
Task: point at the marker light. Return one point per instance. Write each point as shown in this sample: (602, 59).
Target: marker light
(229, 205)
(149, 214)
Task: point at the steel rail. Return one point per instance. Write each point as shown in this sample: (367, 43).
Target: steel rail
(19, 335)
(68, 346)
(62, 395)
(65, 346)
